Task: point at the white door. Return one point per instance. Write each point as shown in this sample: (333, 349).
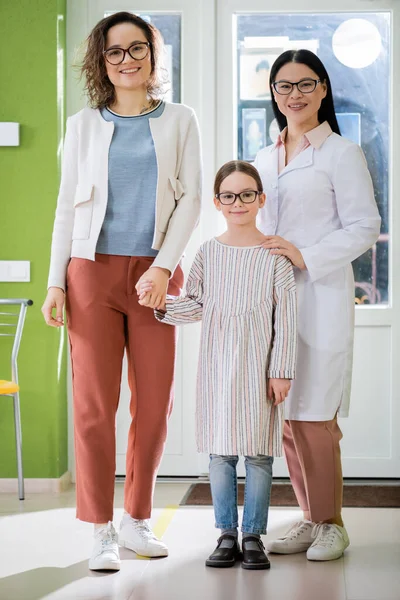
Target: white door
(354, 39)
(189, 54)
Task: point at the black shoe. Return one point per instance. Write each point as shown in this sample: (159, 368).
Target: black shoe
(224, 557)
(254, 559)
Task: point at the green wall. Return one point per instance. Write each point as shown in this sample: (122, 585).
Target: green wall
(32, 75)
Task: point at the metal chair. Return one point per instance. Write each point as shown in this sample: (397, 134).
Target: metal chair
(11, 388)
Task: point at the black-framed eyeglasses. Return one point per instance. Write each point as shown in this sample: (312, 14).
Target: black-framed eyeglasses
(305, 86)
(247, 197)
(138, 51)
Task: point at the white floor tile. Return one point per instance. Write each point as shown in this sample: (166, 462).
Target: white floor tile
(44, 552)
(372, 561)
(191, 537)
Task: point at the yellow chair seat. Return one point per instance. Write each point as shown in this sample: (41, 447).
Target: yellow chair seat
(8, 387)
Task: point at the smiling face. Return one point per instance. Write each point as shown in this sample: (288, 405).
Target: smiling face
(131, 74)
(239, 213)
(298, 107)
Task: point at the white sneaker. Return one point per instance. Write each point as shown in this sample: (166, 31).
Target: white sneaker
(330, 542)
(105, 555)
(136, 535)
(297, 539)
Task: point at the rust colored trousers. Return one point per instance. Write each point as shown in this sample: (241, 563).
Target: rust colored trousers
(312, 453)
(104, 318)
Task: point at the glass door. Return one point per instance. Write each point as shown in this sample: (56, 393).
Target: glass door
(355, 41)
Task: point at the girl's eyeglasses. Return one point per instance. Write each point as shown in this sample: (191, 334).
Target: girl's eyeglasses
(246, 197)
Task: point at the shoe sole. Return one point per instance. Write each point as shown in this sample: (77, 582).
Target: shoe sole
(287, 551)
(315, 559)
(334, 557)
(220, 564)
(109, 566)
(256, 567)
(126, 544)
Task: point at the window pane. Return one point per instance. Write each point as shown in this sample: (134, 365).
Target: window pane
(169, 24)
(355, 49)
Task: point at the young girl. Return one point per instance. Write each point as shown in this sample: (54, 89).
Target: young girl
(246, 298)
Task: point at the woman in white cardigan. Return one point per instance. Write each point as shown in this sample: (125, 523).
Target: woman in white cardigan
(128, 203)
(321, 214)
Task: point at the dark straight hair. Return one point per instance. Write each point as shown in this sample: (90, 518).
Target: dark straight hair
(305, 57)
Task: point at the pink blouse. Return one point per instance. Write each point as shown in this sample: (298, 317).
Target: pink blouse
(315, 137)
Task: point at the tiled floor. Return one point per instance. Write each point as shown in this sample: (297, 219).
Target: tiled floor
(44, 552)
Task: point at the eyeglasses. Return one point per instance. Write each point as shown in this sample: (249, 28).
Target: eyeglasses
(138, 51)
(305, 86)
(246, 197)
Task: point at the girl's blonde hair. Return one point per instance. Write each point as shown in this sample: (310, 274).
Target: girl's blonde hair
(99, 89)
(233, 166)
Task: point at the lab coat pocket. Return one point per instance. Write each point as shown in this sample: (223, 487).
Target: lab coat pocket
(83, 205)
(324, 313)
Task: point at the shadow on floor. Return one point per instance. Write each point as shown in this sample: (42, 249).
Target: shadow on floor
(38, 583)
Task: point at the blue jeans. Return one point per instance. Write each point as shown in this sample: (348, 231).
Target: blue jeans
(257, 491)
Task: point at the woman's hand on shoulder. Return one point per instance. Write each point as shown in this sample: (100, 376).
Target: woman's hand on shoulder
(54, 300)
(278, 390)
(152, 287)
(278, 245)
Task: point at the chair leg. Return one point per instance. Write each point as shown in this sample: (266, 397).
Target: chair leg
(18, 445)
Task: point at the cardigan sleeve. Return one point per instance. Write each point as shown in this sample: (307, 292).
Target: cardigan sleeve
(282, 363)
(189, 307)
(357, 211)
(64, 218)
(186, 214)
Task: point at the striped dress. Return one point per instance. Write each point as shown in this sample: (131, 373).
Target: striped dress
(246, 298)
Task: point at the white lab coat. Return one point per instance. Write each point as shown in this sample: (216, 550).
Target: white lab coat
(323, 203)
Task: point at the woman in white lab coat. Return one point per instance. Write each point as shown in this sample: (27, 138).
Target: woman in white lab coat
(320, 213)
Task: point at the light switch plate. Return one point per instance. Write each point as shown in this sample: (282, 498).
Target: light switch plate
(15, 270)
(9, 134)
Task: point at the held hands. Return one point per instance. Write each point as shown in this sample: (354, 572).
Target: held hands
(54, 299)
(278, 389)
(152, 287)
(280, 246)
(144, 293)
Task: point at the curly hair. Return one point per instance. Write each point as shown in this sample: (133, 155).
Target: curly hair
(98, 87)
